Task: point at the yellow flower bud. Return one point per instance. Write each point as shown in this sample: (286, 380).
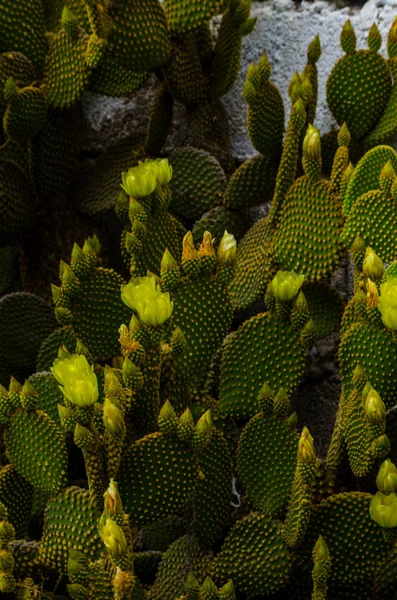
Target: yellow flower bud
(188, 248)
(144, 295)
(383, 509)
(113, 418)
(78, 381)
(388, 302)
(306, 450)
(372, 294)
(112, 500)
(112, 536)
(207, 245)
(311, 143)
(372, 265)
(387, 477)
(227, 249)
(286, 285)
(375, 408)
(139, 181)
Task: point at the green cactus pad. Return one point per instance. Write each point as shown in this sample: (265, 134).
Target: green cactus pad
(48, 395)
(184, 73)
(197, 301)
(254, 556)
(359, 434)
(27, 116)
(325, 307)
(266, 461)
(17, 495)
(25, 322)
(251, 184)
(356, 76)
(355, 542)
(213, 495)
(366, 174)
(263, 349)
(217, 221)
(139, 36)
(36, 447)
(353, 313)
(60, 534)
(98, 312)
(307, 240)
(197, 182)
(376, 352)
(17, 204)
(157, 537)
(160, 120)
(147, 468)
(8, 270)
(254, 265)
(374, 218)
(183, 15)
(99, 190)
(65, 74)
(16, 20)
(56, 154)
(49, 348)
(184, 555)
(113, 79)
(19, 68)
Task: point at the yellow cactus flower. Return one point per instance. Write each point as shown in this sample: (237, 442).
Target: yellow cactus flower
(227, 249)
(139, 181)
(372, 294)
(388, 303)
(113, 418)
(383, 509)
(144, 295)
(78, 382)
(162, 170)
(286, 285)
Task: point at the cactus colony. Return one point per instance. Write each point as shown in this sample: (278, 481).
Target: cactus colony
(148, 444)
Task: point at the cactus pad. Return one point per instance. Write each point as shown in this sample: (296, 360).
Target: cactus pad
(254, 556)
(48, 395)
(50, 346)
(376, 352)
(213, 494)
(17, 205)
(217, 221)
(251, 184)
(36, 447)
(197, 182)
(27, 116)
(145, 471)
(307, 240)
(263, 349)
(325, 307)
(60, 534)
(17, 495)
(183, 15)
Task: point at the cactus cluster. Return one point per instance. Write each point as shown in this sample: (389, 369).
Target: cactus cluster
(148, 442)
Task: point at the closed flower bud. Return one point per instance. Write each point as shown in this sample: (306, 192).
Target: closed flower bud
(227, 592)
(209, 588)
(204, 424)
(112, 500)
(77, 253)
(388, 302)
(112, 536)
(14, 386)
(78, 381)
(186, 419)
(286, 285)
(144, 295)
(383, 509)
(7, 532)
(311, 143)
(6, 560)
(92, 245)
(76, 561)
(168, 262)
(189, 251)
(321, 552)
(28, 390)
(372, 265)
(113, 418)
(306, 451)
(227, 249)
(387, 477)
(314, 50)
(139, 181)
(372, 294)
(56, 292)
(375, 408)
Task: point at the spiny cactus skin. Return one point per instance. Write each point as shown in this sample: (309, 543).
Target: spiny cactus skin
(156, 442)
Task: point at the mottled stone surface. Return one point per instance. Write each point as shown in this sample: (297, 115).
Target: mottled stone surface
(284, 30)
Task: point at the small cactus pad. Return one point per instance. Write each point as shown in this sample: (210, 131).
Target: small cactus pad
(266, 462)
(145, 471)
(263, 349)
